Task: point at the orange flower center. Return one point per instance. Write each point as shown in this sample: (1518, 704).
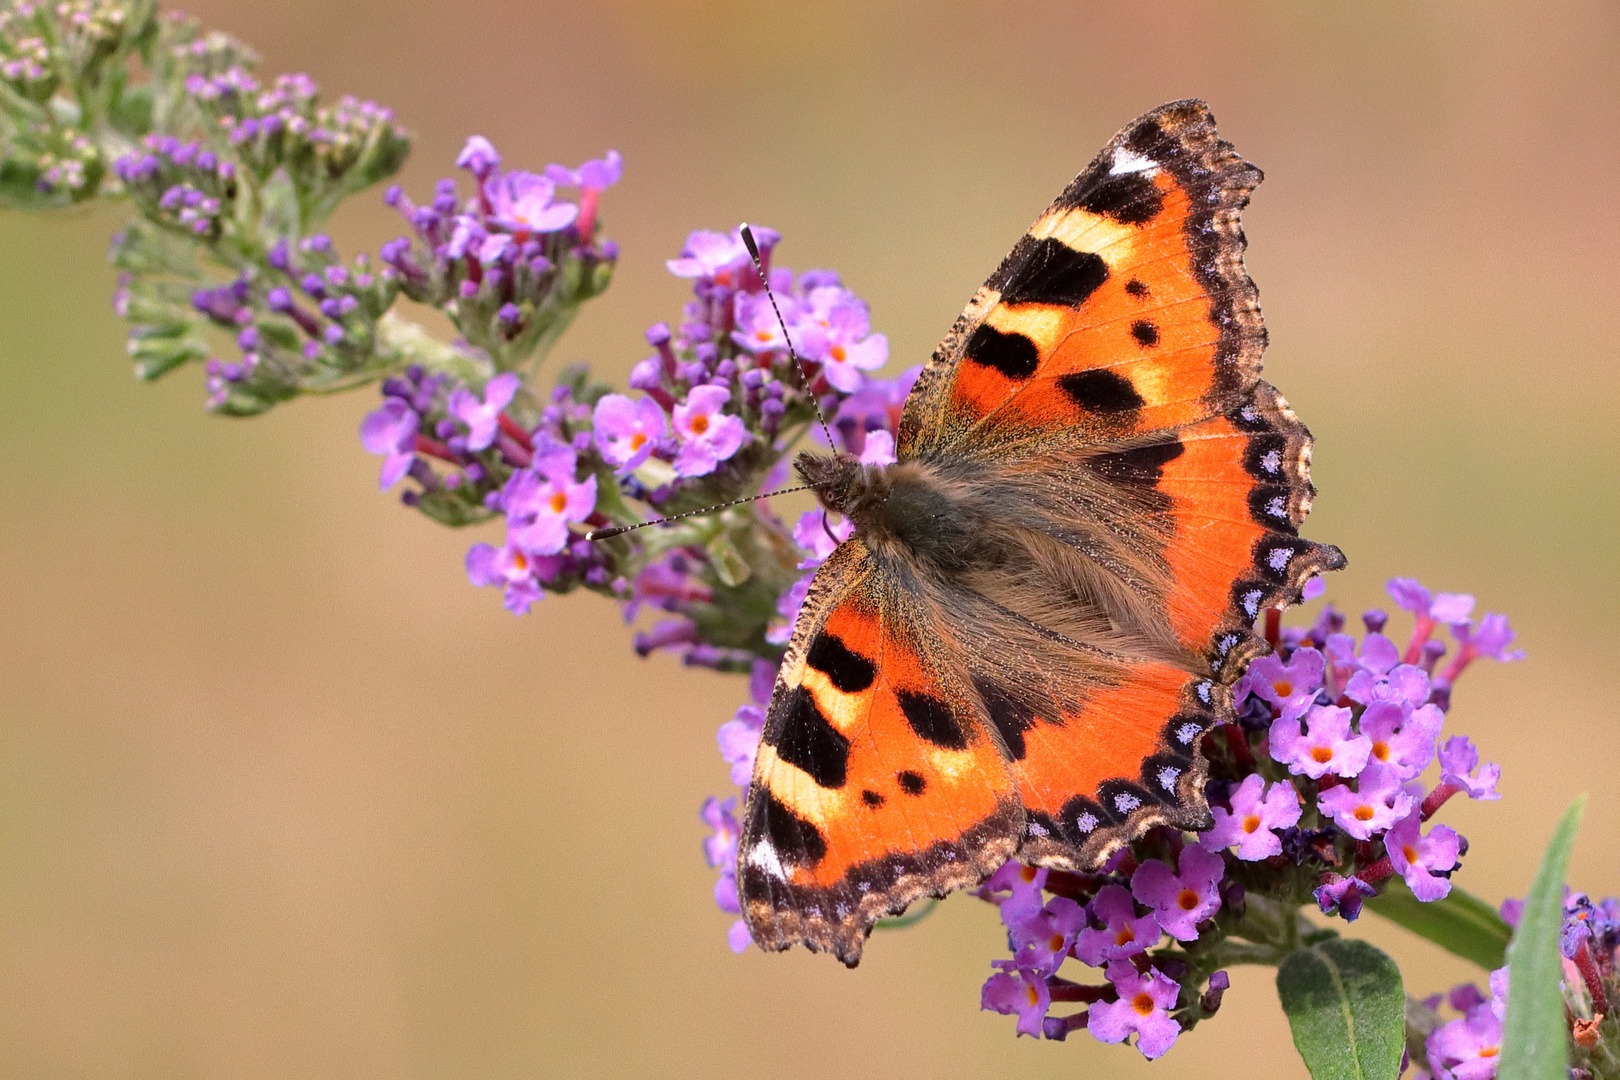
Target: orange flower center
(1410, 852)
(1251, 823)
(1364, 813)
(1283, 687)
(1490, 1051)
(1125, 936)
(1143, 1003)
(1322, 754)
(520, 560)
(1187, 899)
(700, 424)
(839, 354)
(1027, 873)
(1034, 998)
(1381, 751)
(638, 440)
(1056, 944)
(558, 503)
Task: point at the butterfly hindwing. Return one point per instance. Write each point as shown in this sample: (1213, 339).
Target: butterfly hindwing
(1239, 489)
(1125, 308)
(876, 782)
(1101, 745)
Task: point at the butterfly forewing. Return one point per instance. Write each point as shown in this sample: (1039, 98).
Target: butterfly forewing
(1125, 309)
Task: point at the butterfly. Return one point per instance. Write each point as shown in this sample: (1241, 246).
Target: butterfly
(1048, 596)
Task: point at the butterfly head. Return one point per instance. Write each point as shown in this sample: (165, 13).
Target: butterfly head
(841, 483)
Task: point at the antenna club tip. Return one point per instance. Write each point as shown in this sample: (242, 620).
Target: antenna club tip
(603, 534)
(748, 239)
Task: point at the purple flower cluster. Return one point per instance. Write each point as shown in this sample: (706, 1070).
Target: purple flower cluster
(511, 264)
(1315, 795)
(62, 50)
(541, 501)
(1318, 778)
(724, 374)
(249, 181)
(328, 151)
(309, 325)
(25, 58)
(716, 418)
(723, 403)
(184, 185)
(1468, 1047)
(540, 476)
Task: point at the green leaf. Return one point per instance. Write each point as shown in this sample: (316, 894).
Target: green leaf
(1534, 1043)
(1461, 924)
(1347, 1010)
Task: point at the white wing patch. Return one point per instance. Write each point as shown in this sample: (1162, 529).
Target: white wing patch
(763, 856)
(1127, 162)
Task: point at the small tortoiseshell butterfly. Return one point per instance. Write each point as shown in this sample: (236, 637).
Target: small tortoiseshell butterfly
(1047, 598)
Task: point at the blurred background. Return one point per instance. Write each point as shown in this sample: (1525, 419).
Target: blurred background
(281, 795)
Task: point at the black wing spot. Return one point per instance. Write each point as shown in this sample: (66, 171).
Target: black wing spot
(1129, 198)
(793, 839)
(1265, 457)
(1125, 798)
(1010, 716)
(1182, 732)
(847, 670)
(1051, 272)
(1079, 818)
(1269, 506)
(809, 742)
(1101, 390)
(872, 798)
(911, 783)
(1145, 333)
(931, 719)
(1138, 289)
(1014, 355)
(1145, 139)
(1141, 466)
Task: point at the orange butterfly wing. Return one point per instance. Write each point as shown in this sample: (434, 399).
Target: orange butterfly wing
(1123, 333)
(1124, 310)
(875, 781)
(1101, 746)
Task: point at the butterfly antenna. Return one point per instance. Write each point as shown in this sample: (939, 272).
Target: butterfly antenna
(759, 265)
(606, 534)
